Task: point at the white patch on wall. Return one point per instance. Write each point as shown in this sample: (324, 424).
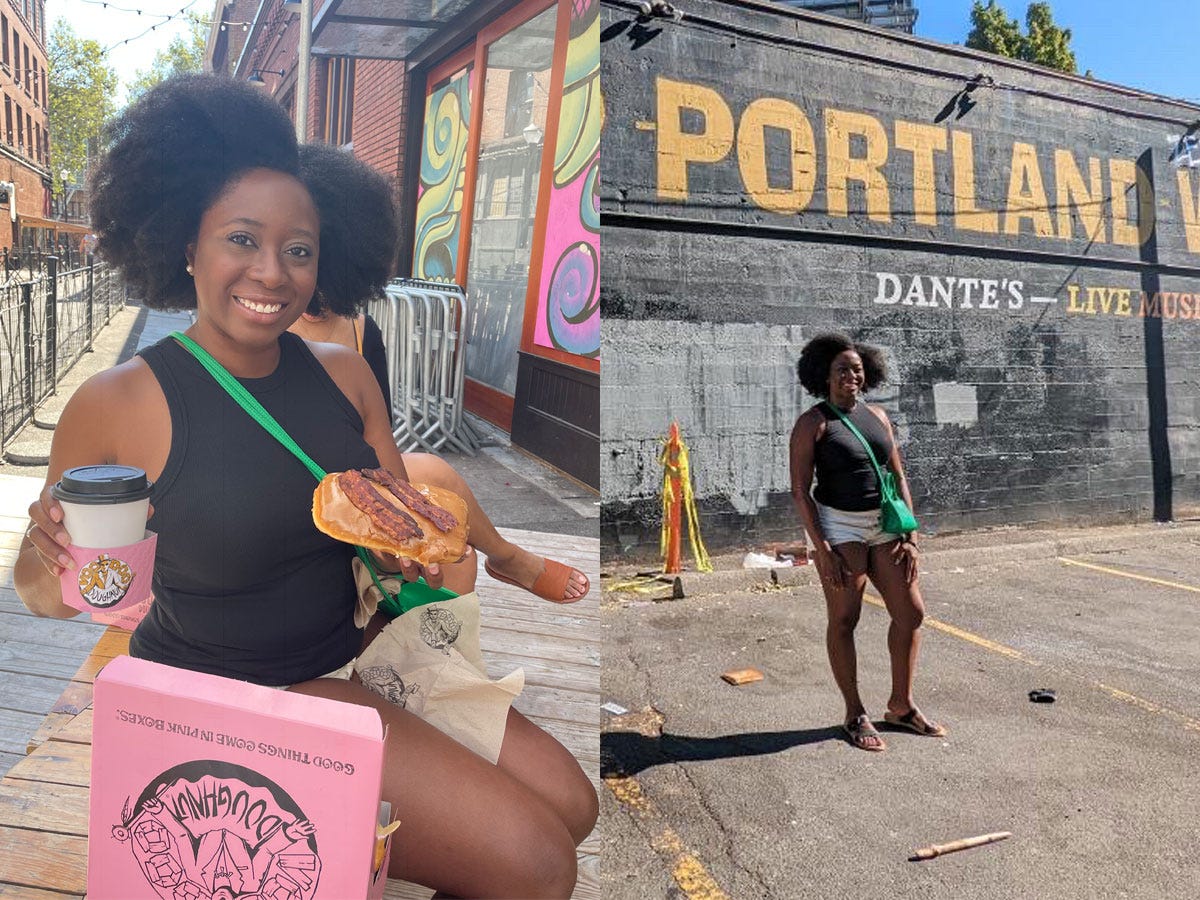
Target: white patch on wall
(955, 404)
(731, 386)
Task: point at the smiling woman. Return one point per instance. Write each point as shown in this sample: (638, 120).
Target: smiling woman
(834, 441)
(199, 202)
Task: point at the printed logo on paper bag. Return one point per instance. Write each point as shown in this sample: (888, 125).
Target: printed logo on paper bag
(387, 683)
(105, 581)
(439, 628)
(211, 830)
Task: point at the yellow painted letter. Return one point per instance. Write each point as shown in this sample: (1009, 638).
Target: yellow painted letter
(675, 147)
(1122, 175)
(966, 215)
(1087, 200)
(841, 167)
(1026, 194)
(922, 141)
(752, 154)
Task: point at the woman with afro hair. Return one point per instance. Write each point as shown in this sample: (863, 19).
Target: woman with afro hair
(199, 201)
(841, 516)
(358, 218)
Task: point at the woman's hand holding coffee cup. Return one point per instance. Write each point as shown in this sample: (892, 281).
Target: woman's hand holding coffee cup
(91, 506)
(46, 534)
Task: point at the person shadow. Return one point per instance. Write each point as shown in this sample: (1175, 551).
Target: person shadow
(626, 753)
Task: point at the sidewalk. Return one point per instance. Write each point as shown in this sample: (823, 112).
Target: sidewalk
(515, 490)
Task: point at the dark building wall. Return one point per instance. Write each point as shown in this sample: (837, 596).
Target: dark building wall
(1024, 250)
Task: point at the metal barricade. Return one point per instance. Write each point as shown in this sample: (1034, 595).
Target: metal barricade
(422, 324)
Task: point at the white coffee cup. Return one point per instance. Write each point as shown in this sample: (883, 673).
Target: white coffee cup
(104, 506)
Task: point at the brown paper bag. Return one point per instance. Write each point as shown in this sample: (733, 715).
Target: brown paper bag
(428, 661)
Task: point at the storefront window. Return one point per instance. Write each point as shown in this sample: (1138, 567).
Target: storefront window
(516, 91)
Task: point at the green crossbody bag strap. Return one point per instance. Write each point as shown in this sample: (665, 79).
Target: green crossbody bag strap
(858, 434)
(247, 401)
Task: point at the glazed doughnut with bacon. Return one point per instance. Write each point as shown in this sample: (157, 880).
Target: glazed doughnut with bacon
(373, 508)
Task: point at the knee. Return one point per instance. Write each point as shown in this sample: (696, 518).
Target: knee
(582, 809)
(430, 468)
(843, 623)
(911, 617)
(541, 863)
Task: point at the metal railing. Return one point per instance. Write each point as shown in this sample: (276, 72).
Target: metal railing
(48, 320)
(422, 325)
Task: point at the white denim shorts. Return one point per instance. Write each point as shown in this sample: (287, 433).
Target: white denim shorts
(343, 674)
(842, 526)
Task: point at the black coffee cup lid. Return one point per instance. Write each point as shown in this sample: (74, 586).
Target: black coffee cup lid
(102, 484)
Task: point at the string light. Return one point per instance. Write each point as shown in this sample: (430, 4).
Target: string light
(164, 16)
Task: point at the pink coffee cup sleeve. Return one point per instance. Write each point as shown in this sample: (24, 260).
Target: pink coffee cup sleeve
(110, 580)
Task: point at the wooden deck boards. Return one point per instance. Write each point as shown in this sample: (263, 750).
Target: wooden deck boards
(45, 692)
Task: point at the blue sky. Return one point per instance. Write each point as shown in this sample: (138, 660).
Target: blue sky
(1146, 44)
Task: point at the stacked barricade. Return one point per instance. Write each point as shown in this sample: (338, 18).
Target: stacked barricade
(422, 325)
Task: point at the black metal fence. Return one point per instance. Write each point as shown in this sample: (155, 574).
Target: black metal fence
(48, 320)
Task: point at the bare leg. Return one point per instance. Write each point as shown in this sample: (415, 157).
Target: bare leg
(845, 605)
(504, 556)
(907, 610)
(468, 828)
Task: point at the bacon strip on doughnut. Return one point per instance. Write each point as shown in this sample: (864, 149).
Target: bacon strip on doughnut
(442, 519)
(395, 523)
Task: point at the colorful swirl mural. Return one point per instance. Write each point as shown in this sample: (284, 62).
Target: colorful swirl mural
(440, 193)
(569, 294)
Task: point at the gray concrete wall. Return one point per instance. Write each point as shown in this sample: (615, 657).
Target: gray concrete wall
(1036, 283)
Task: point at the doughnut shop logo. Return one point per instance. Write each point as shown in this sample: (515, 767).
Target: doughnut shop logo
(105, 581)
(213, 830)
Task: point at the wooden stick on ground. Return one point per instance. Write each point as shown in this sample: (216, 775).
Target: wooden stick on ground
(963, 844)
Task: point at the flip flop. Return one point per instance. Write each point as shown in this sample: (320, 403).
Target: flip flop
(860, 731)
(915, 722)
(550, 585)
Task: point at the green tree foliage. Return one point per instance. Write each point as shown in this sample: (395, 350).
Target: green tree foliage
(82, 98)
(183, 54)
(1043, 42)
(992, 30)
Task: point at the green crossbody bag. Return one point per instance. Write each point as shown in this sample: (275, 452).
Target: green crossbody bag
(412, 593)
(894, 515)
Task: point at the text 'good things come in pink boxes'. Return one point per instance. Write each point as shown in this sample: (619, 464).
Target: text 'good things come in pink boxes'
(206, 787)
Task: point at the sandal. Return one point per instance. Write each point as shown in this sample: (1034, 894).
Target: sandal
(550, 585)
(915, 722)
(863, 734)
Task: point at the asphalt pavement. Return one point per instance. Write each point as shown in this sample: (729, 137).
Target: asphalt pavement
(753, 791)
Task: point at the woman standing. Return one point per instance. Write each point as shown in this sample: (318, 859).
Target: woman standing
(841, 516)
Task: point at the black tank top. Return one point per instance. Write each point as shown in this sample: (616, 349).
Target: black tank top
(846, 479)
(244, 584)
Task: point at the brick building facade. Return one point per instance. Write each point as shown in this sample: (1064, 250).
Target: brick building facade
(24, 135)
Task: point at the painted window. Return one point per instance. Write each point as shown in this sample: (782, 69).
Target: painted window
(443, 161)
(568, 298)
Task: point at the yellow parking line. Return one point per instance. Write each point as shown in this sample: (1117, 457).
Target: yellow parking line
(689, 873)
(1116, 693)
(931, 622)
(1107, 570)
